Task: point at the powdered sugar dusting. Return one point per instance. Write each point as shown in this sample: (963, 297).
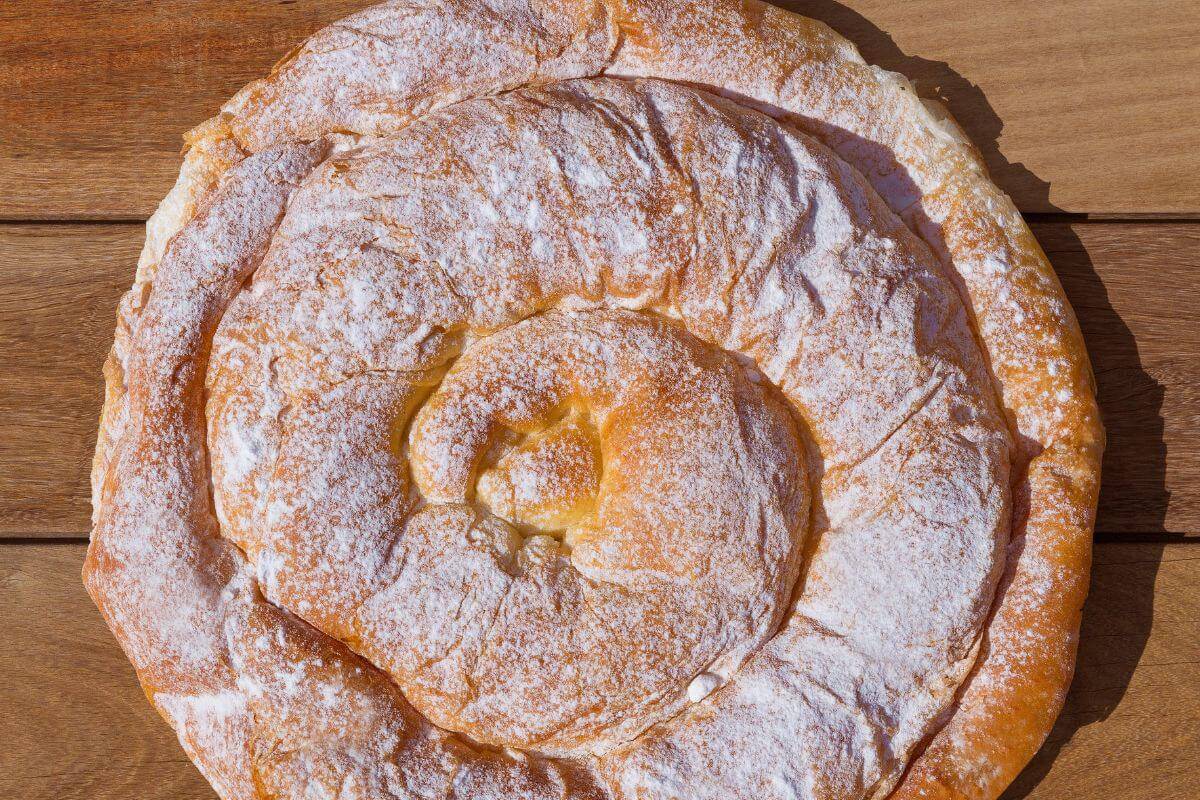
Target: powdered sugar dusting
(495, 238)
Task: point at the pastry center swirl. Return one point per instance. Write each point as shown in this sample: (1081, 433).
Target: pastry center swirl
(612, 508)
(544, 482)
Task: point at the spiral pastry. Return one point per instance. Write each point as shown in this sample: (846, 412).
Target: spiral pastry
(568, 399)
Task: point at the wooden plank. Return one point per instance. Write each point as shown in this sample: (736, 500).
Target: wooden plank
(59, 287)
(1081, 105)
(1133, 286)
(1131, 725)
(96, 96)
(75, 724)
(1132, 719)
(1088, 106)
(1134, 289)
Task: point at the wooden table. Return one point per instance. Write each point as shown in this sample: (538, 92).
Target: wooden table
(1088, 112)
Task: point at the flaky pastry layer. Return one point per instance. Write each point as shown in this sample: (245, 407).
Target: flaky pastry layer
(890, 292)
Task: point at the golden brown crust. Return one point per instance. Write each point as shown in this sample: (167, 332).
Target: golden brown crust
(791, 68)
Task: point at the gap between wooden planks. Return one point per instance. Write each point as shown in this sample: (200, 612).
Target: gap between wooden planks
(77, 727)
(1133, 287)
(1078, 105)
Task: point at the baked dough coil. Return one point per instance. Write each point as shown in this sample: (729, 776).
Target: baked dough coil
(593, 400)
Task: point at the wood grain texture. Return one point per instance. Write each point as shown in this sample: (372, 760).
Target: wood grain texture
(1080, 105)
(95, 96)
(1134, 289)
(1131, 726)
(1133, 286)
(75, 724)
(1089, 106)
(68, 684)
(59, 286)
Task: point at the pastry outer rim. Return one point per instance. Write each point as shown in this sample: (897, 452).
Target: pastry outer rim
(940, 188)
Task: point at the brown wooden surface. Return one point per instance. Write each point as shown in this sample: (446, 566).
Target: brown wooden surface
(1133, 286)
(59, 286)
(1085, 106)
(95, 96)
(76, 725)
(1131, 726)
(1092, 102)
